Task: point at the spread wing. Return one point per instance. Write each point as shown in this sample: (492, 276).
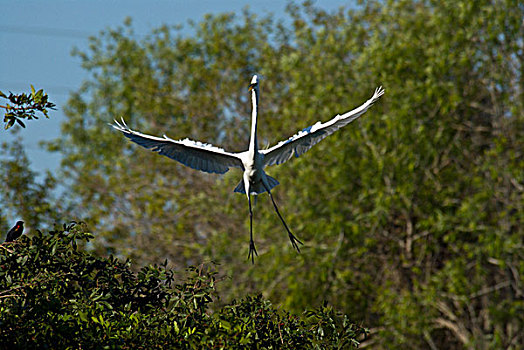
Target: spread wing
(194, 154)
(310, 136)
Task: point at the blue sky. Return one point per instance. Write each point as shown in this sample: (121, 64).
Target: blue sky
(37, 37)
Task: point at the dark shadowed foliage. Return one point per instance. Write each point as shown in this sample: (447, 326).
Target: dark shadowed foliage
(54, 294)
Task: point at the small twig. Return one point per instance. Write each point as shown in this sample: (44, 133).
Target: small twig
(2, 246)
(12, 107)
(9, 295)
(430, 341)
(279, 332)
(491, 289)
(460, 332)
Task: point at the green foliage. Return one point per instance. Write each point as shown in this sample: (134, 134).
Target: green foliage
(23, 194)
(412, 216)
(55, 294)
(25, 106)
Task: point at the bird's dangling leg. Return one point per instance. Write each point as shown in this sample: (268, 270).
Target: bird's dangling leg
(292, 238)
(252, 249)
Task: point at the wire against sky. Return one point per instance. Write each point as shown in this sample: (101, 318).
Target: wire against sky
(46, 31)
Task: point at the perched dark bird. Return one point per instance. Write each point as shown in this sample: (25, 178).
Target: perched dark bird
(15, 232)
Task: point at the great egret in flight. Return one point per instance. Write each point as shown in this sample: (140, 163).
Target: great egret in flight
(211, 159)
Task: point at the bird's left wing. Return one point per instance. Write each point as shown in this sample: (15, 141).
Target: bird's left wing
(310, 136)
(194, 154)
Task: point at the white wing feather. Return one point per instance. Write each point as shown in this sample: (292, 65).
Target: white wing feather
(194, 154)
(301, 142)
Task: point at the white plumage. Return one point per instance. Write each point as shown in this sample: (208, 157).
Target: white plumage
(211, 159)
(194, 154)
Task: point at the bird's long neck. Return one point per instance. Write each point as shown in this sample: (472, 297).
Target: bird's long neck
(253, 142)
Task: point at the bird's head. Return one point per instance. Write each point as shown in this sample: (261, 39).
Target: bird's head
(254, 83)
(19, 223)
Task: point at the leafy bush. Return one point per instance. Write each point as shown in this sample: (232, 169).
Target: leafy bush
(25, 106)
(55, 294)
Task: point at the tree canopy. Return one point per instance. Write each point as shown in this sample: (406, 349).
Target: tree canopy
(411, 217)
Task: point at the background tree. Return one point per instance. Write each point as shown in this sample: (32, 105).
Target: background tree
(21, 194)
(412, 217)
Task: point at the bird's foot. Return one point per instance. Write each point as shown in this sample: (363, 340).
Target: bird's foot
(294, 241)
(252, 252)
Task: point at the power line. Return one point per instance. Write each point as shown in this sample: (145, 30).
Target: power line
(45, 31)
(7, 86)
(52, 32)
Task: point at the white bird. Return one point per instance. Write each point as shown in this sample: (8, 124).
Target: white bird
(211, 159)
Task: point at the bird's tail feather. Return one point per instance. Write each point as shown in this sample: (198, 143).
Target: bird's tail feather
(272, 182)
(242, 189)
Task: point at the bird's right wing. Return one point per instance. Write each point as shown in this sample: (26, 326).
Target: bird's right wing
(301, 142)
(194, 154)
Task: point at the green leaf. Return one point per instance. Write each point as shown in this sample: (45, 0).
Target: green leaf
(20, 123)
